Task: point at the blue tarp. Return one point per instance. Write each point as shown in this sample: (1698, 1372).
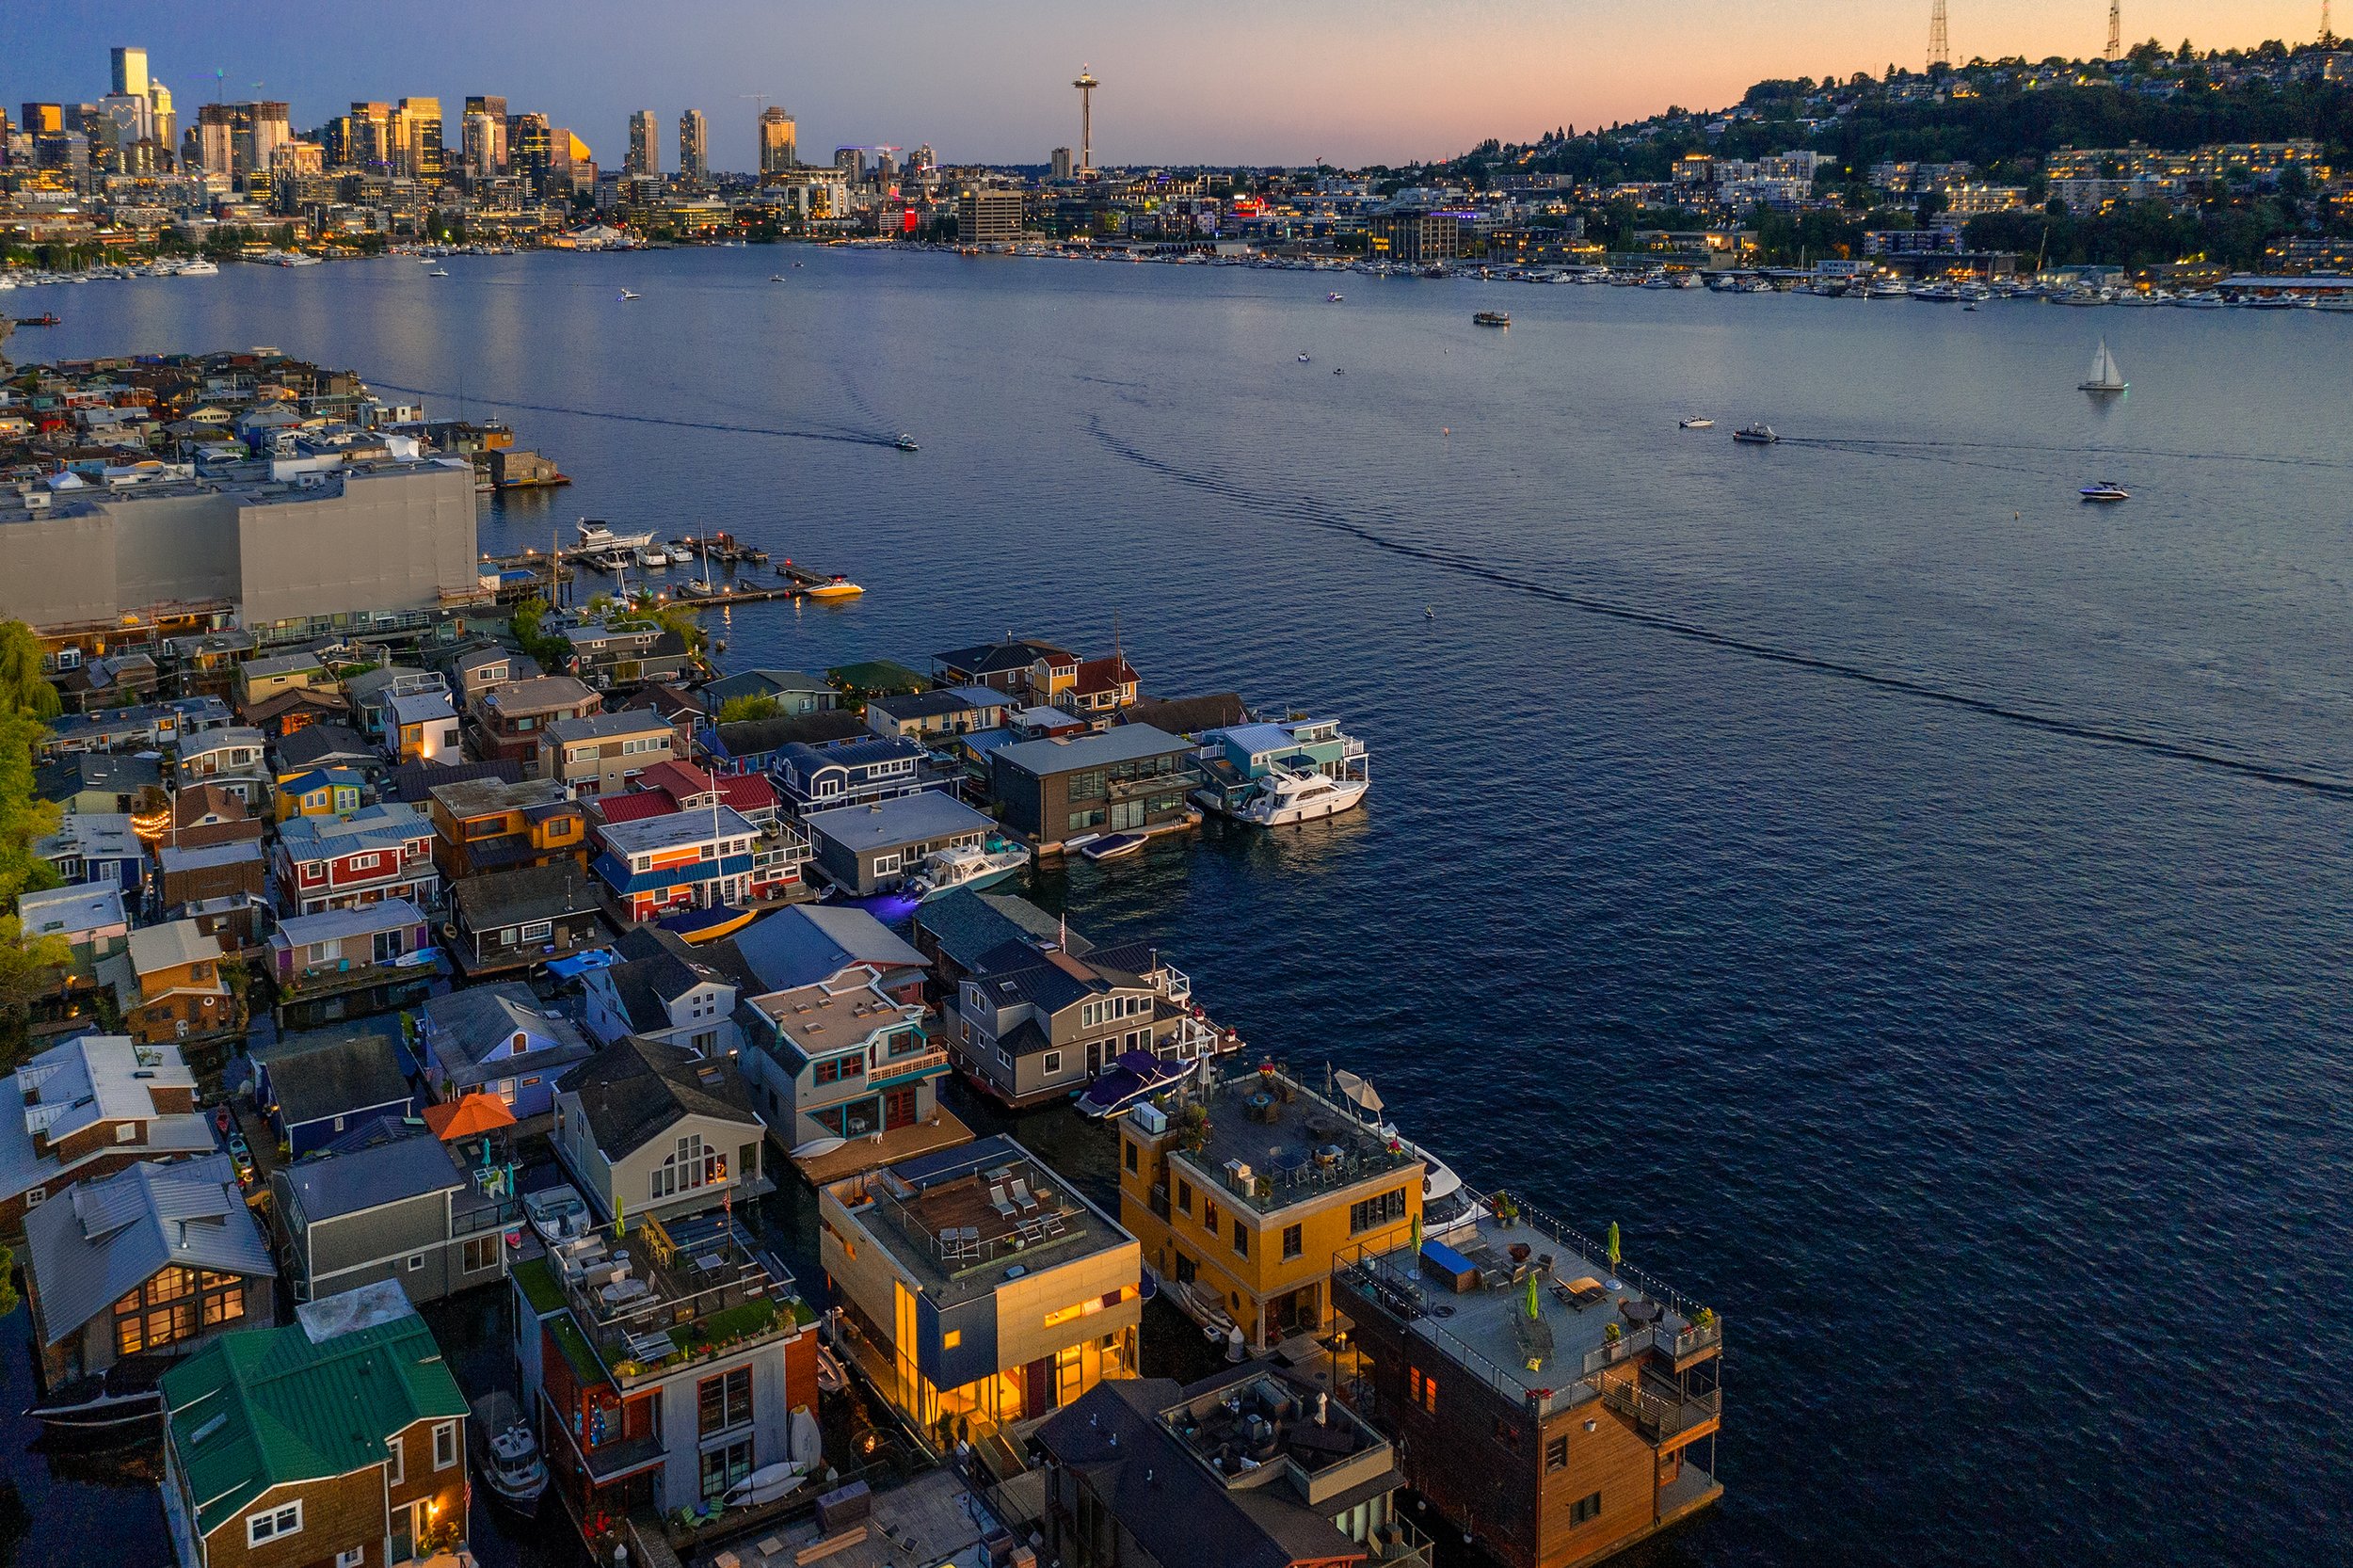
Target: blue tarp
(578, 964)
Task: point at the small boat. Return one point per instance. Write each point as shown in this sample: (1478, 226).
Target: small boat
(1113, 846)
(841, 587)
(626, 294)
(108, 1404)
(559, 1214)
(1759, 434)
(1701, 424)
(438, 272)
(776, 278)
(652, 555)
(832, 1377)
(506, 1455)
(906, 442)
(974, 866)
(1287, 796)
(2105, 377)
(767, 1485)
(1135, 1075)
(1492, 318)
(817, 1148)
(1303, 359)
(2105, 490)
(595, 536)
(1335, 298)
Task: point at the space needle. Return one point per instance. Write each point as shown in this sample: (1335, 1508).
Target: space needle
(1087, 85)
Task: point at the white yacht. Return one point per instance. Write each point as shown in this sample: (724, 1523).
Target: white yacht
(971, 866)
(595, 536)
(1287, 796)
(505, 1453)
(1446, 1203)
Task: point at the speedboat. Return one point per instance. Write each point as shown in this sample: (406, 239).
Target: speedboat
(1303, 359)
(969, 866)
(1699, 423)
(438, 272)
(1335, 298)
(594, 535)
(557, 1214)
(506, 1455)
(112, 1404)
(1446, 1203)
(1113, 846)
(2105, 490)
(1286, 795)
(906, 442)
(1759, 434)
(776, 278)
(1134, 1075)
(840, 587)
(652, 555)
(626, 294)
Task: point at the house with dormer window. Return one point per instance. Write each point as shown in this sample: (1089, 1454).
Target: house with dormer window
(381, 852)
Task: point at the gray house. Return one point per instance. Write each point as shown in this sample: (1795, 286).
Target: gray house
(657, 1130)
(400, 1210)
(317, 1083)
(872, 848)
(497, 1040)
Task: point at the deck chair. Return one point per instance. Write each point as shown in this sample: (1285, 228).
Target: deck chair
(997, 1201)
(1021, 1195)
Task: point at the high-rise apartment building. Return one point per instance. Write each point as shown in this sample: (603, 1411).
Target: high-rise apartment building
(479, 144)
(645, 144)
(493, 156)
(778, 152)
(694, 146)
(531, 152)
(921, 161)
(370, 137)
(851, 161)
(1060, 158)
(130, 73)
(238, 139)
(988, 216)
(416, 137)
(41, 117)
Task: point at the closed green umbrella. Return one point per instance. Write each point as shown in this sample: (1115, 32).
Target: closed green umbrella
(1613, 1243)
(1532, 1297)
(1416, 1236)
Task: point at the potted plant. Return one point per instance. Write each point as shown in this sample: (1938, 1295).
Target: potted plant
(1609, 1333)
(1506, 1211)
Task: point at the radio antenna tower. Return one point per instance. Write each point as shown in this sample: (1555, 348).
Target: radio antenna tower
(1940, 50)
(2116, 29)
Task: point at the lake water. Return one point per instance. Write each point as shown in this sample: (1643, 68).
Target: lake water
(1923, 929)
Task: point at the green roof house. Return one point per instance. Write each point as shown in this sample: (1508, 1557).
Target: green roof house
(340, 1440)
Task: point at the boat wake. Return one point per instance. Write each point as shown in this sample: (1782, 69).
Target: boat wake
(1313, 514)
(848, 438)
(1895, 447)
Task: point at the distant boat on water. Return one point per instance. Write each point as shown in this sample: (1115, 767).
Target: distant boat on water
(1759, 434)
(627, 295)
(2105, 490)
(2105, 376)
(1699, 422)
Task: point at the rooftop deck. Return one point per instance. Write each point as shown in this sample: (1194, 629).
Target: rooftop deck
(672, 1294)
(1468, 1295)
(959, 1220)
(1272, 1143)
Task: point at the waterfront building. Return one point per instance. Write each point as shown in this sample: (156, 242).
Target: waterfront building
(872, 848)
(841, 1058)
(779, 153)
(663, 1367)
(1242, 1192)
(87, 1108)
(340, 1438)
(1029, 1021)
(314, 1085)
(155, 1259)
(666, 991)
(602, 753)
(978, 1287)
(335, 748)
(654, 1130)
(1018, 667)
(230, 759)
(497, 1040)
(370, 690)
(1556, 1404)
(511, 718)
(645, 144)
(379, 852)
(669, 787)
(989, 215)
(793, 692)
(1253, 1464)
(375, 537)
(858, 771)
(953, 711)
(318, 960)
(1414, 237)
(627, 653)
(101, 781)
(97, 847)
(237, 873)
(90, 916)
(496, 825)
(387, 1204)
(421, 727)
(694, 146)
(676, 861)
(524, 917)
(1101, 688)
(168, 987)
(1234, 759)
(1129, 778)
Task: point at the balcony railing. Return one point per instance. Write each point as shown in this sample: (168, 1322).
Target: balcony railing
(1659, 1415)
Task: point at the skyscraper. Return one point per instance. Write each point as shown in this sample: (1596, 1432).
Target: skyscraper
(530, 153)
(130, 73)
(851, 161)
(418, 152)
(159, 115)
(694, 146)
(644, 145)
(494, 151)
(238, 139)
(371, 144)
(778, 151)
(481, 136)
(1059, 157)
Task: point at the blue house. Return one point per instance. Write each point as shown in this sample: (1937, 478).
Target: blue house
(98, 846)
(318, 1084)
(497, 1040)
(851, 772)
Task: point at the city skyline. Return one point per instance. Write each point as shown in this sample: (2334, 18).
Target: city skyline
(1353, 84)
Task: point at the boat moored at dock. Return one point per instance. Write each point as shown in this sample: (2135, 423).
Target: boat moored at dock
(1274, 775)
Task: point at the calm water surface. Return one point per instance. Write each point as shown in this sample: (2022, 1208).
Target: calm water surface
(1912, 903)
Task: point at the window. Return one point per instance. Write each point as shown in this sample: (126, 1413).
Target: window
(950, 1339)
(688, 1166)
(538, 931)
(725, 1466)
(127, 1132)
(173, 1306)
(1127, 1144)
(1209, 1215)
(1557, 1453)
(886, 864)
(396, 1462)
(444, 1444)
(1371, 1213)
(1585, 1509)
(482, 1252)
(1292, 1243)
(1053, 1062)
(1184, 1195)
(416, 1262)
(723, 1401)
(1242, 1239)
(272, 1522)
(351, 1557)
(1422, 1390)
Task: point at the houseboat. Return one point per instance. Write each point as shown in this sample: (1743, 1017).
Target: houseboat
(1275, 774)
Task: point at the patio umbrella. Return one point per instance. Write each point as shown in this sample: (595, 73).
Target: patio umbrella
(1613, 1243)
(1532, 1311)
(1416, 1236)
(475, 1116)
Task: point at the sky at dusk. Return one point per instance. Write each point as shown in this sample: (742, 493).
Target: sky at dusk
(1184, 81)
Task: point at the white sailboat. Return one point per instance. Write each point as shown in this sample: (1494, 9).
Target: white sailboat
(2105, 377)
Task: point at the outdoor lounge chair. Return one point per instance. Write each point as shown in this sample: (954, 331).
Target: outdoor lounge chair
(1021, 1195)
(997, 1201)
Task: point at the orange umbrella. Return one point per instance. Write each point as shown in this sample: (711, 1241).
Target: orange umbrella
(470, 1117)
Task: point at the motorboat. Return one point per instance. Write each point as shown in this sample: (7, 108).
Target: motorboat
(832, 1377)
(2199, 300)
(652, 555)
(506, 1455)
(1113, 846)
(627, 295)
(1759, 434)
(595, 536)
(2105, 490)
(438, 272)
(113, 1404)
(1696, 423)
(973, 866)
(1440, 1185)
(1335, 298)
(1303, 359)
(776, 278)
(1492, 318)
(2105, 377)
(769, 1483)
(839, 587)
(1133, 1075)
(559, 1214)
(906, 442)
(1286, 796)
